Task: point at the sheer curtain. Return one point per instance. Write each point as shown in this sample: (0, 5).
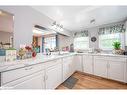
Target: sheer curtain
(81, 40)
(110, 34)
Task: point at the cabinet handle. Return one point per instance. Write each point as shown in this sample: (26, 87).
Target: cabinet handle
(43, 78)
(46, 77)
(29, 68)
(108, 66)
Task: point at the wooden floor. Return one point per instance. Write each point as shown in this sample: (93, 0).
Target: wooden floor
(91, 82)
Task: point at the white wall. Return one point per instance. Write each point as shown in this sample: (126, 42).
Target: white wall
(94, 32)
(24, 20)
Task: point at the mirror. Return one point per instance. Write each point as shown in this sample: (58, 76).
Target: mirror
(44, 39)
(6, 29)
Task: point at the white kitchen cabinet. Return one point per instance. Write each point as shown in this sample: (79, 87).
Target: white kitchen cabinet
(72, 65)
(34, 81)
(88, 64)
(117, 69)
(110, 67)
(12, 75)
(100, 66)
(53, 76)
(68, 67)
(78, 63)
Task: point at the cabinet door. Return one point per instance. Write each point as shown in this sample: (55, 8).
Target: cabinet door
(72, 65)
(88, 64)
(66, 71)
(78, 63)
(35, 82)
(100, 67)
(53, 76)
(116, 70)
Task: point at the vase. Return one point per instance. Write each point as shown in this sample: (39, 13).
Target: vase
(118, 51)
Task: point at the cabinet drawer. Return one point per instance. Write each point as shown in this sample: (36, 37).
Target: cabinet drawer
(68, 59)
(100, 57)
(27, 82)
(118, 59)
(52, 63)
(19, 73)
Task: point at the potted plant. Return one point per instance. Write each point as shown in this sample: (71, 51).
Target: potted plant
(117, 48)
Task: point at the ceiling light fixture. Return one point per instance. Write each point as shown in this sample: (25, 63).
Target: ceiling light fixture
(57, 27)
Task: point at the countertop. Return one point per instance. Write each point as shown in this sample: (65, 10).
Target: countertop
(103, 54)
(40, 58)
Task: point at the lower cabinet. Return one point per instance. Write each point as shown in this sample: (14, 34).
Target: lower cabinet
(88, 64)
(68, 67)
(100, 67)
(53, 73)
(78, 63)
(35, 82)
(110, 67)
(53, 76)
(117, 71)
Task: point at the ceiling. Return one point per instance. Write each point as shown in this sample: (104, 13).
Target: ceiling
(77, 18)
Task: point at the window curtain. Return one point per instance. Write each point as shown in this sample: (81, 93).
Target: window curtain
(81, 34)
(119, 28)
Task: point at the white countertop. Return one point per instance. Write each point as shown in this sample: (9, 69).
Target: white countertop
(40, 58)
(103, 54)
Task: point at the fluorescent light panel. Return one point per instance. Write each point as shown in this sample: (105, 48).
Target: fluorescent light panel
(41, 32)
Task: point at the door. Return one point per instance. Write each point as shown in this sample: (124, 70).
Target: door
(88, 64)
(53, 76)
(35, 82)
(100, 67)
(116, 70)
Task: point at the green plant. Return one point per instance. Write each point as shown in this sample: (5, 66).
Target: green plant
(116, 45)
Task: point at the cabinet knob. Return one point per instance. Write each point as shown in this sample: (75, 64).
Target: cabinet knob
(29, 68)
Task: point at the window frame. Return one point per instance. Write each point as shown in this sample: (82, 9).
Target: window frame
(82, 41)
(122, 41)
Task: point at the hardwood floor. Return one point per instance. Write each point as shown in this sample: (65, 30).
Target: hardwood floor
(91, 82)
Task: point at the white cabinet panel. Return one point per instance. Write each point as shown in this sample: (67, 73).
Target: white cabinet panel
(68, 67)
(116, 70)
(88, 64)
(35, 82)
(78, 63)
(19, 73)
(66, 70)
(100, 67)
(53, 76)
